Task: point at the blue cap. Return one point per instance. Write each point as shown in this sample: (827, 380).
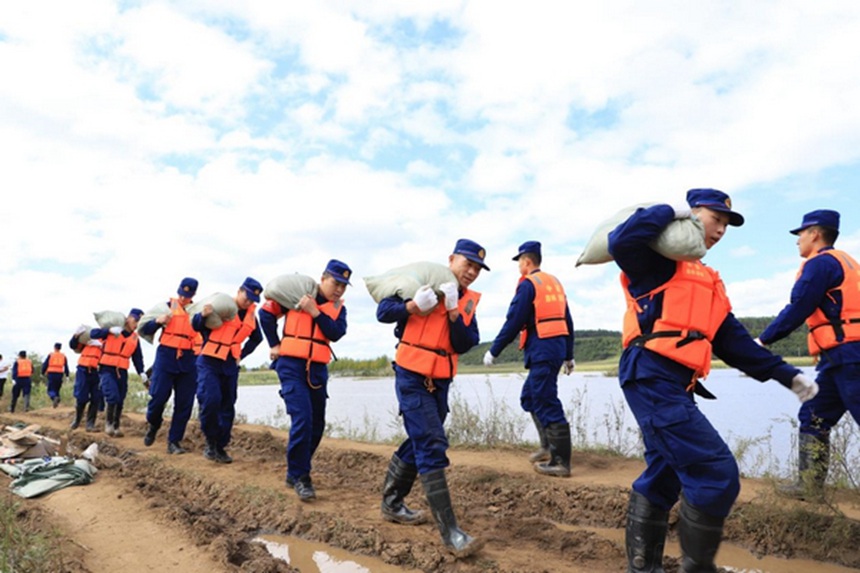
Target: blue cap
(187, 288)
(716, 201)
(472, 251)
(136, 313)
(528, 247)
(253, 288)
(821, 218)
(339, 270)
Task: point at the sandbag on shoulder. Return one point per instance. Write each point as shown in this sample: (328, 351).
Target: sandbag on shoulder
(681, 240)
(151, 314)
(109, 318)
(223, 305)
(287, 290)
(406, 280)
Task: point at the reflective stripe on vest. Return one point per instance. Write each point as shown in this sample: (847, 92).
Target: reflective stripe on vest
(302, 337)
(227, 339)
(56, 363)
(118, 349)
(550, 305)
(25, 368)
(425, 346)
(178, 332)
(824, 332)
(694, 306)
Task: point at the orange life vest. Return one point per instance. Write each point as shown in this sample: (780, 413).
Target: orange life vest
(118, 349)
(90, 356)
(56, 363)
(25, 368)
(227, 339)
(425, 346)
(303, 338)
(695, 304)
(824, 332)
(550, 306)
(178, 333)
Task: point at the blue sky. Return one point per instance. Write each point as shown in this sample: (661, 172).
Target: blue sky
(147, 141)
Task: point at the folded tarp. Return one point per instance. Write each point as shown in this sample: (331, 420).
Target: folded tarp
(37, 476)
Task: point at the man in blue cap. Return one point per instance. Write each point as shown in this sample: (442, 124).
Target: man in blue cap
(431, 334)
(826, 295)
(218, 367)
(174, 370)
(87, 390)
(22, 376)
(678, 315)
(540, 317)
(120, 346)
(301, 356)
(55, 367)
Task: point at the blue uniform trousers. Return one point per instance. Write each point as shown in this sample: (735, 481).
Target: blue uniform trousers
(306, 408)
(540, 393)
(87, 386)
(21, 386)
(683, 451)
(424, 414)
(217, 385)
(55, 382)
(114, 384)
(183, 386)
(838, 392)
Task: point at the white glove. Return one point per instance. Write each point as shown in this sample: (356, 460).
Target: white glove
(95, 342)
(805, 388)
(488, 358)
(425, 298)
(451, 293)
(80, 330)
(144, 378)
(117, 330)
(759, 342)
(569, 365)
(682, 211)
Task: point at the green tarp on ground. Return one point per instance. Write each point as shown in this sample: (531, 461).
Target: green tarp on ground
(42, 475)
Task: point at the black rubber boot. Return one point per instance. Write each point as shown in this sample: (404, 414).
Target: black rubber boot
(110, 412)
(458, 542)
(700, 535)
(79, 415)
(26, 402)
(542, 455)
(645, 535)
(398, 484)
(92, 412)
(813, 461)
(117, 415)
(149, 437)
(13, 403)
(558, 436)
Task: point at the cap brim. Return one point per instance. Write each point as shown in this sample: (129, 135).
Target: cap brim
(477, 260)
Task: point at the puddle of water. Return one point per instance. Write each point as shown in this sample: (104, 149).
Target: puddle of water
(312, 557)
(733, 557)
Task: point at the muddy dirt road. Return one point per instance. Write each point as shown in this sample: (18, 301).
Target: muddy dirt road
(150, 511)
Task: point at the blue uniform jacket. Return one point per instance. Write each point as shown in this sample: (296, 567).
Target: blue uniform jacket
(809, 292)
(462, 337)
(521, 313)
(646, 270)
(137, 355)
(165, 356)
(331, 328)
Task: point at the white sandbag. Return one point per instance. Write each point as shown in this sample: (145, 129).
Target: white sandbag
(287, 290)
(83, 334)
(151, 314)
(406, 280)
(109, 318)
(223, 305)
(681, 240)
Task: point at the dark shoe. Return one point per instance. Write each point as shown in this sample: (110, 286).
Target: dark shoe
(92, 412)
(149, 437)
(210, 454)
(223, 456)
(700, 535)
(457, 541)
(79, 415)
(813, 462)
(175, 448)
(55, 401)
(543, 454)
(645, 536)
(558, 437)
(304, 488)
(216, 454)
(397, 485)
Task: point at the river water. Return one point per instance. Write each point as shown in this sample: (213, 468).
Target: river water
(757, 420)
